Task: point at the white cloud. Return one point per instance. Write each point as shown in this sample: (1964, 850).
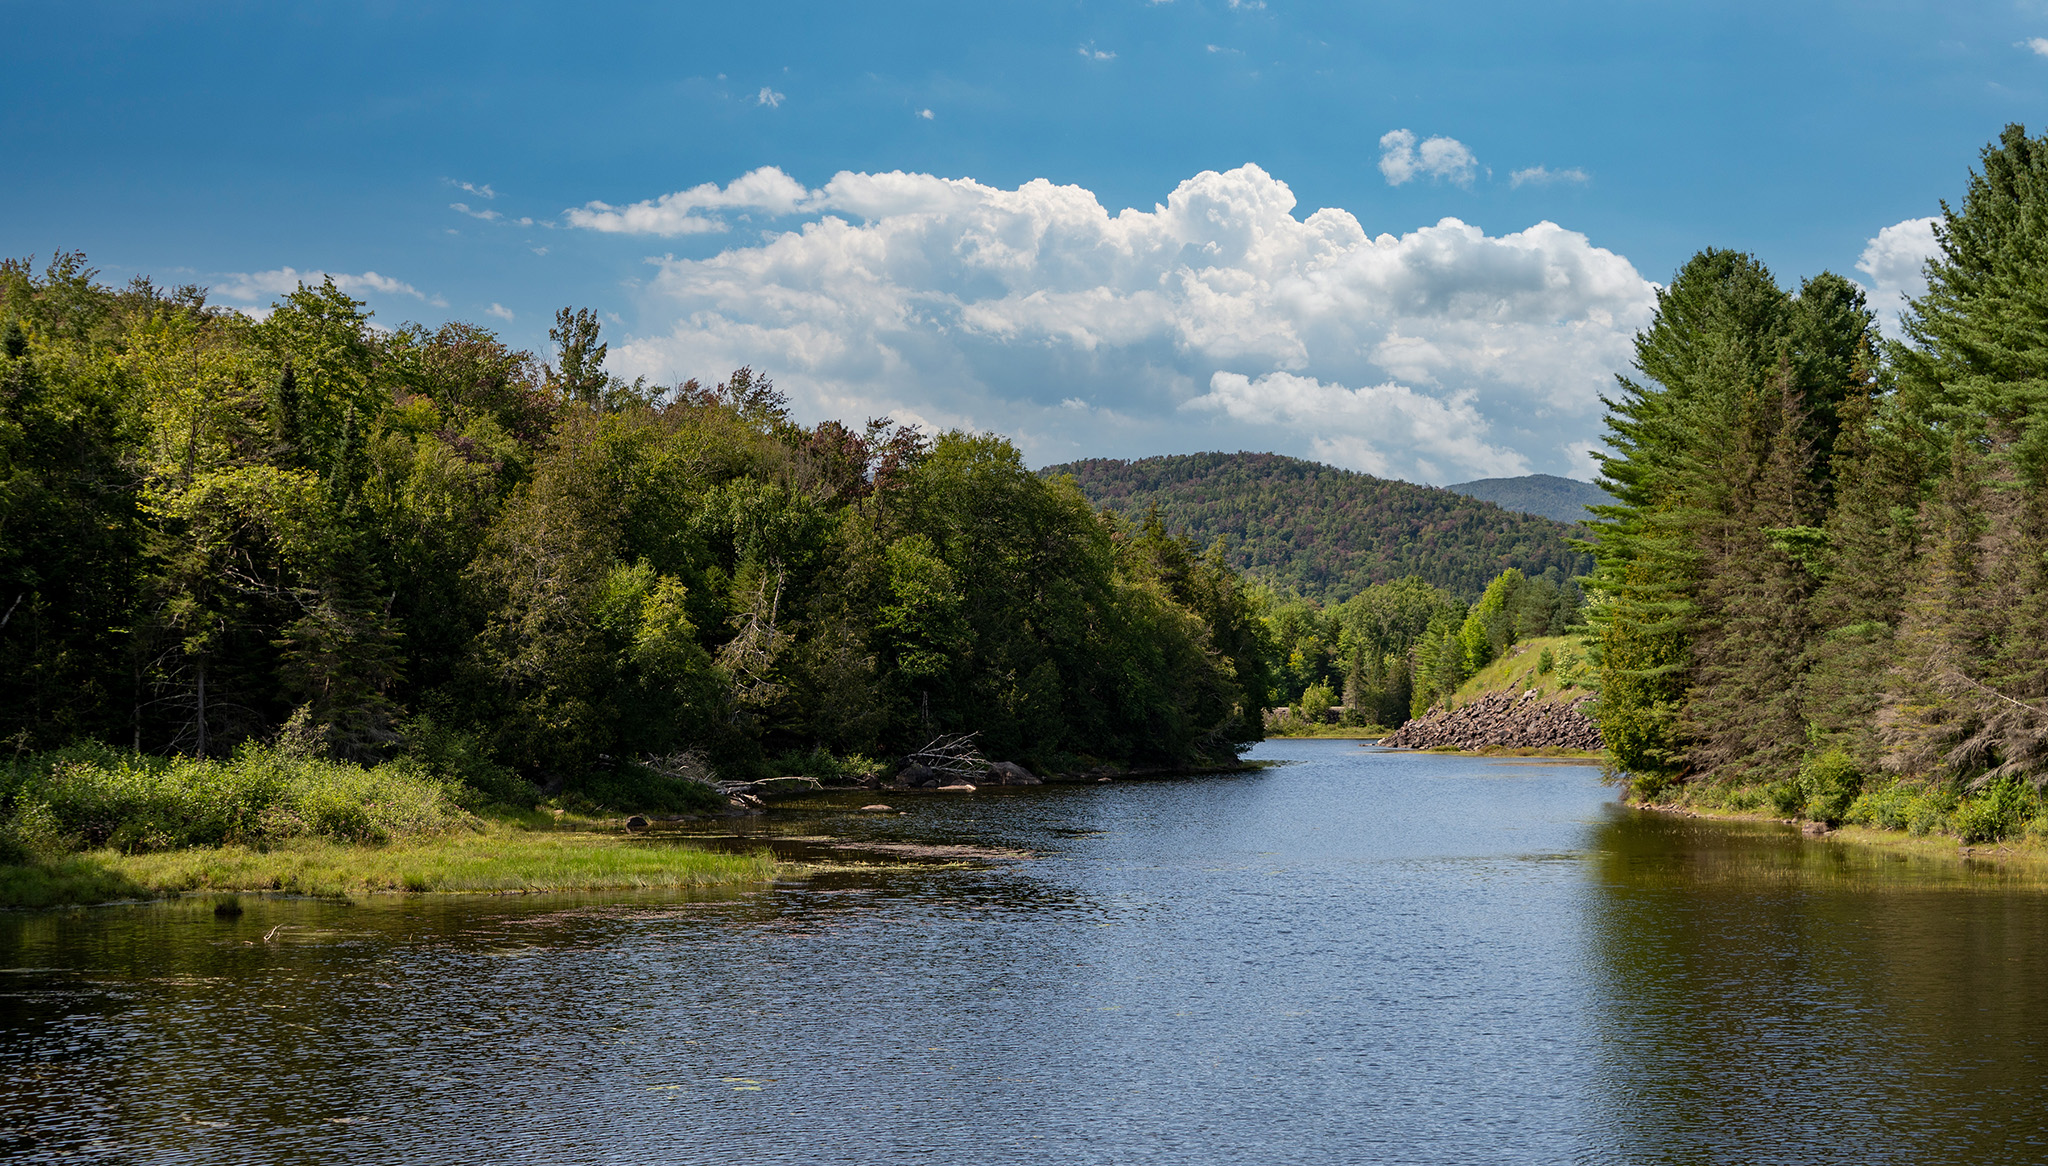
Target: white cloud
(1439, 158)
(1894, 261)
(484, 192)
(485, 215)
(925, 114)
(1090, 52)
(1387, 429)
(767, 188)
(770, 97)
(972, 305)
(500, 311)
(2037, 45)
(1248, 5)
(249, 286)
(1544, 176)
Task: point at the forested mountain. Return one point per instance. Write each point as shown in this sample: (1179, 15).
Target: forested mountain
(1558, 499)
(1824, 581)
(1325, 532)
(210, 525)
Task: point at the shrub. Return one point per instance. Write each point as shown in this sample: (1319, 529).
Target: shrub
(1829, 784)
(1995, 811)
(457, 758)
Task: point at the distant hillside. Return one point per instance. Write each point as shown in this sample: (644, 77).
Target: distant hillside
(1559, 499)
(1324, 531)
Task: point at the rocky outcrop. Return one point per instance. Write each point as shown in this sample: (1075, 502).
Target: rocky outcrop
(1010, 773)
(1503, 720)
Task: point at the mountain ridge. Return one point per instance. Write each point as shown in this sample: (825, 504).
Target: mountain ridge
(1325, 531)
(1558, 499)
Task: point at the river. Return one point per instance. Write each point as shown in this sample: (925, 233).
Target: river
(1355, 957)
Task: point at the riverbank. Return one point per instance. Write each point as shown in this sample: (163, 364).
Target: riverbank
(2029, 850)
(490, 858)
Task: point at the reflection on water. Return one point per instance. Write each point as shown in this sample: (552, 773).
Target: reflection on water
(1770, 999)
(1359, 957)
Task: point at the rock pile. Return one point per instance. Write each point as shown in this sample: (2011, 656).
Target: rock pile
(1503, 720)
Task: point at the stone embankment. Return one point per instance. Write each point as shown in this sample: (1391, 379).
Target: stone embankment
(1503, 720)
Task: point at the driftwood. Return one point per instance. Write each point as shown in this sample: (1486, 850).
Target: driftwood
(954, 756)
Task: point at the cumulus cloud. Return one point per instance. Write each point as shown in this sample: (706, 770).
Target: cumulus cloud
(1895, 262)
(2037, 45)
(486, 215)
(483, 192)
(1439, 158)
(766, 189)
(1216, 320)
(1544, 176)
(926, 114)
(770, 98)
(248, 286)
(1090, 52)
(500, 311)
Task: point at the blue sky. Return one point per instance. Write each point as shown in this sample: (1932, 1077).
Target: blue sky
(484, 162)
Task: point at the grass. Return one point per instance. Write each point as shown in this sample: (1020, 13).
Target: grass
(1342, 732)
(1523, 667)
(92, 824)
(495, 857)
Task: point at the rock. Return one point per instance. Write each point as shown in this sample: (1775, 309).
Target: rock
(916, 776)
(958, 787)
(1509, 720)
(877, 808)
(1011, 773)
(1813, 829)
(636, 823)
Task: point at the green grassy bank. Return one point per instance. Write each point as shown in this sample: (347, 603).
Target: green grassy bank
(489, 858)
(91, 824)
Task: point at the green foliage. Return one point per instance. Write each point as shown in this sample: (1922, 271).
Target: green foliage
(90, 796)
(525, 579)
(1323, 532)
(1829, 783)
(1316, 704)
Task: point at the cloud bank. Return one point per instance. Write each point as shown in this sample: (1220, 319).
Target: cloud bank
(1215, 320)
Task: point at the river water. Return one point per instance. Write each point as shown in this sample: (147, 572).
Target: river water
(1354, 957)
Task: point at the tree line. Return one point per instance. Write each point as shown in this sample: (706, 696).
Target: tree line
(213, 525)
(1825, 575)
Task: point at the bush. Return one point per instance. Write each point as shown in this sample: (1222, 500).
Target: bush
(457, 758)
(1996, 811)
(823, 765)
(1829, 784)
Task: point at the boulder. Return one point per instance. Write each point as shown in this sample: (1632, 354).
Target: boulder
(636, 823)
(956, 787)
(877, 808)
(916, 776)
(1011, 773)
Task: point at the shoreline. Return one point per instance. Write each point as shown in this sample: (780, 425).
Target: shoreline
(496, 860)
(1946, 846)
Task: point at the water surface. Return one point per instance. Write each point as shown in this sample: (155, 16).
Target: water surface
(1356, 957)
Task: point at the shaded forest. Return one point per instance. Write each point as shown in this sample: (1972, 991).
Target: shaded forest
(422, 541)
